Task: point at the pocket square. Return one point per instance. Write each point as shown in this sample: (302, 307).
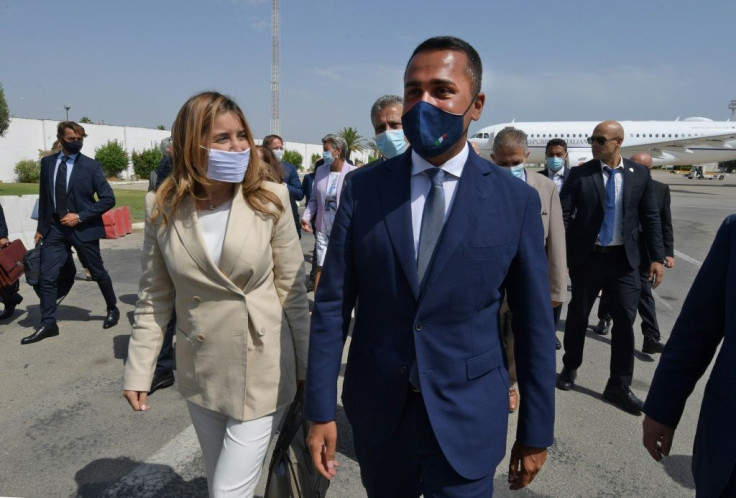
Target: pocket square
(631, 169)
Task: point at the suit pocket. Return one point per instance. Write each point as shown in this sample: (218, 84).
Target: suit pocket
(484, 363)
(485, 252)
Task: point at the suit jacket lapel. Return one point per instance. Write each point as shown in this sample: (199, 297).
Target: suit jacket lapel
(185, 224)
(597, 176)
(628, 178)
(474, 187)
(239, 225)
(78, 164)
(396, 202)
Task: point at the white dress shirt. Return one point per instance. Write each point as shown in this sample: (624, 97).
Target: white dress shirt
(421, 185)
(557, 176)
(618, 220)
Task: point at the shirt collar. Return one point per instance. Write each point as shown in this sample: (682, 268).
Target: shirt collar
(620, 164)
(72, 158)
(453, 166)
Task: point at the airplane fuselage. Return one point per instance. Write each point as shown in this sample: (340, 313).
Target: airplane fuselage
(691, 141)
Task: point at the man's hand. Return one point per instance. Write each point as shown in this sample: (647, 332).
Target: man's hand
(322, 441)
(137, 400)
(657, 438)
(554, 303)
(656, 273)
(669, 262)
(526, 462)
(70, 220)
(306, 226)
(37, 238)
(4, 241)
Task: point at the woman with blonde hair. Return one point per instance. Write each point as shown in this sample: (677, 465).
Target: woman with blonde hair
(220, 248)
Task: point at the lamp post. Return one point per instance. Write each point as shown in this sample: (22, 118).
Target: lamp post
(67, 107)
(732, 106)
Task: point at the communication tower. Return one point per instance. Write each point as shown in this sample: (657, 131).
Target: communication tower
(275, 48)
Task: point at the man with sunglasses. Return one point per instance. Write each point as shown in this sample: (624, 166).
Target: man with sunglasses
(604, 203)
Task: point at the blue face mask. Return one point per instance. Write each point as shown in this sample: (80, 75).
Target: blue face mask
(391, 143)
(432, 131)
(518, 171)
(555, 163)
(327, 158)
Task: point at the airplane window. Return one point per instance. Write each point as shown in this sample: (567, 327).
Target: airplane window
(676, 135)
(669, 135)
(657, 135)
(637, 135)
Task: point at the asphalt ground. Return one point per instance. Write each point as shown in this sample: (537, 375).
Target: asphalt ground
(67, 431)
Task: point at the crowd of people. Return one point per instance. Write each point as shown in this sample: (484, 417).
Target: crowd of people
(460, 264)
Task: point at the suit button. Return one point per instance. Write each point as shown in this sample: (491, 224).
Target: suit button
(196, 299)
(261, 332)
(419, 326)
(200, 337)
(403, 369)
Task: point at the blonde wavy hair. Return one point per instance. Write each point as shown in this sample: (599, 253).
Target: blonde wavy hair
(189, 134)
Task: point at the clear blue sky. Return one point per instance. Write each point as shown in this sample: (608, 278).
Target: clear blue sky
(135, 62)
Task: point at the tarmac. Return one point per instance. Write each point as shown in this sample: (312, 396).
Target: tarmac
(67, 431)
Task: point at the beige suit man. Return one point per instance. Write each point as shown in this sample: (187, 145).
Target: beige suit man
(510, 151)
(242, 327)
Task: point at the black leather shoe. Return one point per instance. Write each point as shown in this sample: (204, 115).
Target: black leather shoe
(42, 333)
(558, 344)
(652, 346)
(162, 381)
(566, 379)
(10, 306)
(112, 318)
(622, 397)
(603, 327)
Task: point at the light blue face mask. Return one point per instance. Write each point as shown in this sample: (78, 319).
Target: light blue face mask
(327, 157)
(391, 143)
(555, 163)
(228, 167)
(518, 171)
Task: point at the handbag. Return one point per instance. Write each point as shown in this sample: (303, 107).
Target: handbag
(32, 263)
(11, 262)
(291, 473)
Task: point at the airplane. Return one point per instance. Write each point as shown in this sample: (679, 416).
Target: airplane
(690, 141)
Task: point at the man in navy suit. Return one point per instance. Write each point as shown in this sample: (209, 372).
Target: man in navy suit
(605, 202)
(427, 242)
(707, 319)
(291, 177)
(555, 162)
(68, 214)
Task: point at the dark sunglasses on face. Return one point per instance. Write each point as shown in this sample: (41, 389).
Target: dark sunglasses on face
(600, 140)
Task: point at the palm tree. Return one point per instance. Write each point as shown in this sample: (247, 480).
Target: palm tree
(355, 142)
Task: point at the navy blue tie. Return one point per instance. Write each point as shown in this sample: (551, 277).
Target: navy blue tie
(60, 188)
(606, 234)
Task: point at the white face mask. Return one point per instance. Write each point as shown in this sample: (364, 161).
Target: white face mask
(228, 167)
(279, 153)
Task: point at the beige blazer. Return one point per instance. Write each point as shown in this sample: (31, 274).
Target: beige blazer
(241, 328)
(554, 234)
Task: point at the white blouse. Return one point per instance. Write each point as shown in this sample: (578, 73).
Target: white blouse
(213, 225)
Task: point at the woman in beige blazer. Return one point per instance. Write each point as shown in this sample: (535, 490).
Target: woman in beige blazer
(220, 247)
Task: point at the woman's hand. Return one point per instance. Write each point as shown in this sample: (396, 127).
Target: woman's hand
(137, 400)
(306, 226)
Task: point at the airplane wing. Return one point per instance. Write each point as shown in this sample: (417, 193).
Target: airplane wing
(679, 146)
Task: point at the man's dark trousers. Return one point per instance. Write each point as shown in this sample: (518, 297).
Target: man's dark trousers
(54, 251)
(621, 284)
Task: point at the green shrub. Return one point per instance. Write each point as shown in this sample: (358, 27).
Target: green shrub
(315, 157)
(27, 171)
(112, 157)
(293, 157)
(146, 161)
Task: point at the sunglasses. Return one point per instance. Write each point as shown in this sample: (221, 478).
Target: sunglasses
(600, 140)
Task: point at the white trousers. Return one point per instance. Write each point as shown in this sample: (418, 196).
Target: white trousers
(233, 451)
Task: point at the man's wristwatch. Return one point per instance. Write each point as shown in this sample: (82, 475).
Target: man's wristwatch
(79, 219)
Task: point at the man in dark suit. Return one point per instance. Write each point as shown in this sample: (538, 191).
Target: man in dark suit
(68, 214)
(426, 242)
(604, 203)
(707, 319)
(9, 295)
(555, 162)
(291, 177)
(649, 326)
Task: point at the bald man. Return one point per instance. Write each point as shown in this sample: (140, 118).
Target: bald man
(649, 327)
(604, 202)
